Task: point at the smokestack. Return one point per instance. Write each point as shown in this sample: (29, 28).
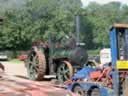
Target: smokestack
(77, 29)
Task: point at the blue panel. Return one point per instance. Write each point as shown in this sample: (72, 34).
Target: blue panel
(104, 92)
(114, 60)
(87, 85)
(70, 87)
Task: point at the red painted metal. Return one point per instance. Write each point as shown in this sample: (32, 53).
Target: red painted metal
(14, 86)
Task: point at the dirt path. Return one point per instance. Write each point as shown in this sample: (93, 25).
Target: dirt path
(15, 69)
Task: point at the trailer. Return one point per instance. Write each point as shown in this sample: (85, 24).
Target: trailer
(113, 81)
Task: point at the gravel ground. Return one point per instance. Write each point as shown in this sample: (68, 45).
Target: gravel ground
(19, 70)
(15, 69)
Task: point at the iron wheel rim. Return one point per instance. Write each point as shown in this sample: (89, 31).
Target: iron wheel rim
(64, 71)
(36, 65)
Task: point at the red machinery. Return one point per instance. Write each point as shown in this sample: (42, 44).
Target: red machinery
(14, 86)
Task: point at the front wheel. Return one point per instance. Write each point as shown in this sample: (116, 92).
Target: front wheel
(64, 71)
(94, 91)
(78, 90)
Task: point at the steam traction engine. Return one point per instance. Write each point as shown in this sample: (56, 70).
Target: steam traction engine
(56, 58)
(62, 60)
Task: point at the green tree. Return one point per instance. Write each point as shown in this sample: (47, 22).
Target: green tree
(36, 20)
(103, 17)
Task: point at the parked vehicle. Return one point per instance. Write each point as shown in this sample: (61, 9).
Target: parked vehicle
(3, 56)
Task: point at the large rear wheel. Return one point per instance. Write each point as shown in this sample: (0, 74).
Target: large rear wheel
(36, 65)
(64, 71)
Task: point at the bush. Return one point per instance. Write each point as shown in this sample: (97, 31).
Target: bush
(93, 53)
(14, 54)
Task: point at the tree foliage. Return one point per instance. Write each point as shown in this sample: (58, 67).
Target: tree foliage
(103, 17)
(38, 19)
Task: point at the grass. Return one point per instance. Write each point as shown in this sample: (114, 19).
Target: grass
(16, 61)
(93, 52)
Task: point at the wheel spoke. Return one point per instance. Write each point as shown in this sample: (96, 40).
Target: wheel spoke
(60, 71)
(36, 69)
(31, 69)
(64, 71)
(34, 74)
(66, 77)
(31, 57)
(37, 62)
(34, 60)
(29, 62)
(61, 68)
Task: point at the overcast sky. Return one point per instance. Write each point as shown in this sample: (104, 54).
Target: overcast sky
(86, 2)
